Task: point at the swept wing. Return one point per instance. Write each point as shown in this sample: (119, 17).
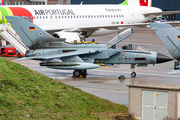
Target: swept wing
(57, 56)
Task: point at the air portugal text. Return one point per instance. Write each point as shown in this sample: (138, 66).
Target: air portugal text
(54, 12)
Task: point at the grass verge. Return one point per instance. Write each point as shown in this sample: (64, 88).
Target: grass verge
(27, 94)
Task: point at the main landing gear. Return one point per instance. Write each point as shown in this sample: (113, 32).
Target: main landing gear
(79, 73)
(133, 74)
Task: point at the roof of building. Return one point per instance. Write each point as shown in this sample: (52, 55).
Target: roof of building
(157, 86)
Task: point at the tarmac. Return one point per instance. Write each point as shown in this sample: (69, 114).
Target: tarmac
(103, 82)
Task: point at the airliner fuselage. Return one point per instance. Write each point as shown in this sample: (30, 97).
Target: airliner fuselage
(84, 20)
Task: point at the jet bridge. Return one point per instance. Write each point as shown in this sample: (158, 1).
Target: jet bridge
(9, 34)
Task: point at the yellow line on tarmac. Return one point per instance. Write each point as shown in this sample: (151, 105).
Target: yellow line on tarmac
(101, 89)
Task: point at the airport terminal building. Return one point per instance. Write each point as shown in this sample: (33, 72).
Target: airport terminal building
(165, 5)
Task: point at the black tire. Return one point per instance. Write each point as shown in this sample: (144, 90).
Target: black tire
(133, 74)
(83, 72)
(176, 63)
(19, 55)
(77, 73)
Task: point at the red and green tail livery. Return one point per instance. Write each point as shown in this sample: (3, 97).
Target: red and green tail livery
(14, 11)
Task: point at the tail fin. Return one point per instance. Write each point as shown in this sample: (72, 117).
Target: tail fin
(170, 37)
(29, 33)
(147, 3)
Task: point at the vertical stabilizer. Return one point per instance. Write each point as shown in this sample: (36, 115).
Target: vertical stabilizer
(29, 33)
(147, 3)
(170, 37)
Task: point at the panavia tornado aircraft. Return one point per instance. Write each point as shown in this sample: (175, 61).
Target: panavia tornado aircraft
(170, 37)
(57, 54)
(76, 22)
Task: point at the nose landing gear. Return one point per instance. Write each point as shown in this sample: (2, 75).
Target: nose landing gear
(133, 74)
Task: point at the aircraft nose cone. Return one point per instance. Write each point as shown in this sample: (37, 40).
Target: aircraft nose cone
(162, 58)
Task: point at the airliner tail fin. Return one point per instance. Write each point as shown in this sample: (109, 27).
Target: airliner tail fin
(147, 3)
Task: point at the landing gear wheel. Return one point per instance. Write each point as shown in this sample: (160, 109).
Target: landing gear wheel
(83, 72)
(77, 73)
(133, 74)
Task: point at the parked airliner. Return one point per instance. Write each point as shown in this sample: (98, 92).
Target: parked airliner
(74, 22)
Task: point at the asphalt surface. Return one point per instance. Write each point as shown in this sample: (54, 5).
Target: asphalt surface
(103, 82)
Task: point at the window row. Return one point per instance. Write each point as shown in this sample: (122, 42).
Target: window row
(78, 16)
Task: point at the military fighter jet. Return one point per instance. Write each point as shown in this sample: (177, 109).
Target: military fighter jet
(57, 54)
(170, 37)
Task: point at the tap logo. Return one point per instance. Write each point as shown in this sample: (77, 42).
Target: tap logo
(143, 2)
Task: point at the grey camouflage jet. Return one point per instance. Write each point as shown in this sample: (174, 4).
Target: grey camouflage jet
(57, 54)
(170, 37)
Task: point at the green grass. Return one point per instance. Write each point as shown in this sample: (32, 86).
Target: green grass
(27, 94)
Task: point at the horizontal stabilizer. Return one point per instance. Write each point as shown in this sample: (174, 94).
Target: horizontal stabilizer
(174, 72)
(162, 13)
